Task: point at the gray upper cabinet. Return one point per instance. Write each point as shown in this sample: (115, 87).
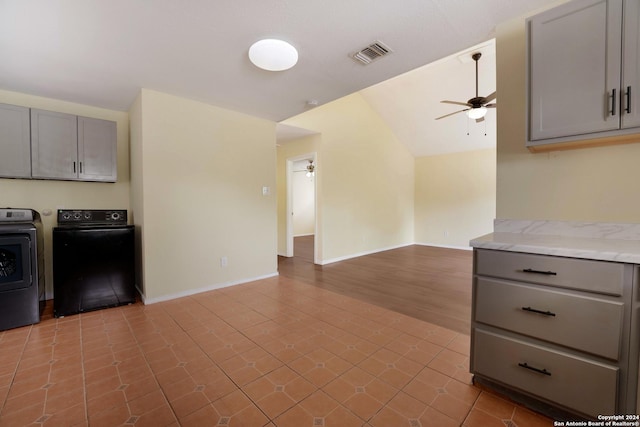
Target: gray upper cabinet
(68, 147)
(583, 71)
(631, 65)
(97, 152)
(54, 145)
(15, 152)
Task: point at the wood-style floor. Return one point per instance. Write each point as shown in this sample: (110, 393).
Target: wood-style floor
(428, 283)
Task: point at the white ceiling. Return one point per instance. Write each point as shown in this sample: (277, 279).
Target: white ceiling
(101, 52)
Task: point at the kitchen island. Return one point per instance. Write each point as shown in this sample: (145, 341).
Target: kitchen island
(555, 319)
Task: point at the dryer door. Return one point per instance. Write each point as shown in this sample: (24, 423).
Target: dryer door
(15, 262)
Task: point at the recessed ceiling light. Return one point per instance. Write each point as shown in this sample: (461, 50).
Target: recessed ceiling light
(273, 55)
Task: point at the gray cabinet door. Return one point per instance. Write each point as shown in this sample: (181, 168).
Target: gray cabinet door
(97, 149)
(15, 140)
(631, 65)
(54, 145)
(574, 69)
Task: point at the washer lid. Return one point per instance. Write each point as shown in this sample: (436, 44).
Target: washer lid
(15, 215)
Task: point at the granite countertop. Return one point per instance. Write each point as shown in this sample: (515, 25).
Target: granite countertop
(598, 241)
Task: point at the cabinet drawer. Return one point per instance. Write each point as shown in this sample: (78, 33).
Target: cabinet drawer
(583, 323)
(571, 273)
(585, 386)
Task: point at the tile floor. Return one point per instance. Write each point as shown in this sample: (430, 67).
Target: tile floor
(270, 353)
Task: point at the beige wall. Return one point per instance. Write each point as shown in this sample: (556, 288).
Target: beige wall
(202, 170)
(455, 197)
(44, 195)
(365, 178)
(590, 184)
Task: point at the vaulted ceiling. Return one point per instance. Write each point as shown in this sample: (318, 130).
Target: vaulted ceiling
(411, 102)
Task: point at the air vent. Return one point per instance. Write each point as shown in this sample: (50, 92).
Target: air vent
(371, 53)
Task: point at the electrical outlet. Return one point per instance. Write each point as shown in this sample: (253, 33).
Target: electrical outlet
(224, 261)
(446, 233)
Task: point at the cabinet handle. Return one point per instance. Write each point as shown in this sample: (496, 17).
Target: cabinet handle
(80, 167)
(531, 270)
(533, 310)
(628, 109)
(531, 368)
(74, 167)
(613, 102)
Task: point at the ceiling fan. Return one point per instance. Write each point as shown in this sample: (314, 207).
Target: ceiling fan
(309, 169)
(477, 107)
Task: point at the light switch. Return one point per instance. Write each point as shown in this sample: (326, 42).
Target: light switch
(266, 191)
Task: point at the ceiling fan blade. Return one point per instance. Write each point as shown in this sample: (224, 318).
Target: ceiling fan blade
(491, 105)
(451, 114)
(491, 96)
(465, 104)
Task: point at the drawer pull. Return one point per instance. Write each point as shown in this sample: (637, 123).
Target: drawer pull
(548, 273)
(531, 368)
(533, 310)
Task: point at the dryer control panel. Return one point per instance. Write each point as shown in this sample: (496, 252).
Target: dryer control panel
(92, 216)
(16, 215)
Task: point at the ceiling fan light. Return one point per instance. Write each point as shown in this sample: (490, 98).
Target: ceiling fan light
(310, 169)
(273, 55)
(477, 113)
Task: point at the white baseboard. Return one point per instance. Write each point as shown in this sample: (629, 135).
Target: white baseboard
(147, 301)
(464, 248)
(189, 292)
(346, 257)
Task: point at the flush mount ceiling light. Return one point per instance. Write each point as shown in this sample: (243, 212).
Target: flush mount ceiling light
(273, 55)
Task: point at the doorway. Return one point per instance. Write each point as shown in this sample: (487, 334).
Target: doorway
(302, 206)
